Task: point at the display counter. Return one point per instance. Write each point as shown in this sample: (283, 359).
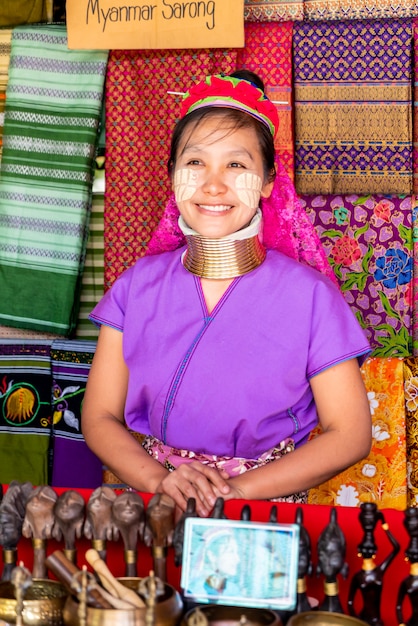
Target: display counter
(315, 519)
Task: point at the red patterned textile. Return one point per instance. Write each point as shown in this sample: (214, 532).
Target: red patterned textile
(268, 53)
(140, 116)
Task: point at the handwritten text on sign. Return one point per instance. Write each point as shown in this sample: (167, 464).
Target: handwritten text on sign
(157, 24)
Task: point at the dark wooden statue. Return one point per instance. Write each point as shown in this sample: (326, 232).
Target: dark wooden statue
(128, 514)
(178, 534)
(331, 562)
(305, 566)
(369, 580)
(99, 526)
(39, 525)
(69, 519)
(409, 586)
(12, 514)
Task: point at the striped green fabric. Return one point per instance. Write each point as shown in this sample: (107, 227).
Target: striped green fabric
(53, 103)
(92, 286)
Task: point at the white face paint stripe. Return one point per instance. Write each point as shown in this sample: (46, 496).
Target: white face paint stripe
(249, 188)
(184, 184)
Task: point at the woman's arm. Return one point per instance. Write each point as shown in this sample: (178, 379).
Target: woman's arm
(106, 435)
(344, 415)
(102, 418)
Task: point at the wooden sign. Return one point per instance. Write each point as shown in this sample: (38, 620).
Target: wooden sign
(154, 24)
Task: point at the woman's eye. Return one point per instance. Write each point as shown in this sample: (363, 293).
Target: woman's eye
(235, 164)
(193, 162)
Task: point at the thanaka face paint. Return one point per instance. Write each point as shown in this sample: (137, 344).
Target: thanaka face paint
(184, 184)
(249, 186)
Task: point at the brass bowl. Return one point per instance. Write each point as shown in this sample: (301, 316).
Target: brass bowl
(218, 615)
(324, 618)
(43, 603)
(168, 610)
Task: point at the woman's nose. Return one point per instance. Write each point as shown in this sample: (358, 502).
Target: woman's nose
(214, 183)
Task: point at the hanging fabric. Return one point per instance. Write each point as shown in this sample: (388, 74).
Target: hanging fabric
(353, 106)
(140, 116)
(25, 411)
(268, 53)
(52, 113)
(368, 242)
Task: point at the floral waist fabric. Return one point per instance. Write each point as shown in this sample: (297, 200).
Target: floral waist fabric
(172, 458)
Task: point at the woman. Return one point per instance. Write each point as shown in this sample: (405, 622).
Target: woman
(224, 353)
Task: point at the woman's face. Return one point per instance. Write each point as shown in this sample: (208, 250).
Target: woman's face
(218, 177)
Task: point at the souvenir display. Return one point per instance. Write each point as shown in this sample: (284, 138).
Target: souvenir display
(12, 513)
(69, 519)
(99, 525)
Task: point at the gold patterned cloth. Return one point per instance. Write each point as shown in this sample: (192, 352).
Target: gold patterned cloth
(410, 367)
(353, 106)
(381, 477)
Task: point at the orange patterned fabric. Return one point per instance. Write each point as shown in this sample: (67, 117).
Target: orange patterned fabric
(268, 53)
(380, 478)
(140, 116)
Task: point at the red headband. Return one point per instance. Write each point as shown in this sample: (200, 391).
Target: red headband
(233, 93)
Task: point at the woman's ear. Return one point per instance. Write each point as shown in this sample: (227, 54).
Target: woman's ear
(269, 184)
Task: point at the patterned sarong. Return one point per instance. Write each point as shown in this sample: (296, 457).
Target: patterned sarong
(268, 53)
(368, 242)
(273, 10)
(25, 411)
(358, 9)
(140, 116)
(53, 104)
(381, 477)
(353, 113)
(74, 465)
(5, 47)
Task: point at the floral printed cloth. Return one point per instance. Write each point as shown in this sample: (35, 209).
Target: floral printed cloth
(368, 240)
(381, 477)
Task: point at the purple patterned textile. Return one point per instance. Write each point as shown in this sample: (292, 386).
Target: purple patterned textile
(353, 106)
(368, 241)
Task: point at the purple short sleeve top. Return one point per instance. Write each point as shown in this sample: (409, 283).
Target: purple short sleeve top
(234, 382)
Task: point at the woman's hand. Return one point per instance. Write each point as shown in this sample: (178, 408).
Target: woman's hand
(195, 480)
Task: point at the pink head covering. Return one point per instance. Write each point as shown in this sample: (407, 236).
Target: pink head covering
(286, 227)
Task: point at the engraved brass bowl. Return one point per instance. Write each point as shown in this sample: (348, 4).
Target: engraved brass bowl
(168, 610)
(43, 603)
(217, 615)
(324, 618)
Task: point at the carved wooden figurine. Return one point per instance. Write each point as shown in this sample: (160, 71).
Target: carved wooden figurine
(39, 523)
(159, 530)
(178, 533)
(369, 580)
(12, 513)
(128, 514)
(99, 526)
(305, 566)
(331, 562)
(69, 517)
(409, 586)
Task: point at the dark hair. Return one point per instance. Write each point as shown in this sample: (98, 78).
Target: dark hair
(236, 119)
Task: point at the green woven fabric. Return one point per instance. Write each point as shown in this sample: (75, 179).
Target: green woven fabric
(53, 105)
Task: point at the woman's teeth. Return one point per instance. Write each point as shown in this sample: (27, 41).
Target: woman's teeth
(219, 208)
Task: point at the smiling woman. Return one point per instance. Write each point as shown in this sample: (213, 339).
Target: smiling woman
(223, 351)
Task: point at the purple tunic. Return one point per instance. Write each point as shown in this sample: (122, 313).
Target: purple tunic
(234, 382)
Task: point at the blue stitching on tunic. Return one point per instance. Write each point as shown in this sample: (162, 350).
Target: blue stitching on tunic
(294, 419)
(176, 381)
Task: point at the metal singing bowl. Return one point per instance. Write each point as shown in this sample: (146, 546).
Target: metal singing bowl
(324, 618)
(217, 615)
(43, 603)
(168, 610)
